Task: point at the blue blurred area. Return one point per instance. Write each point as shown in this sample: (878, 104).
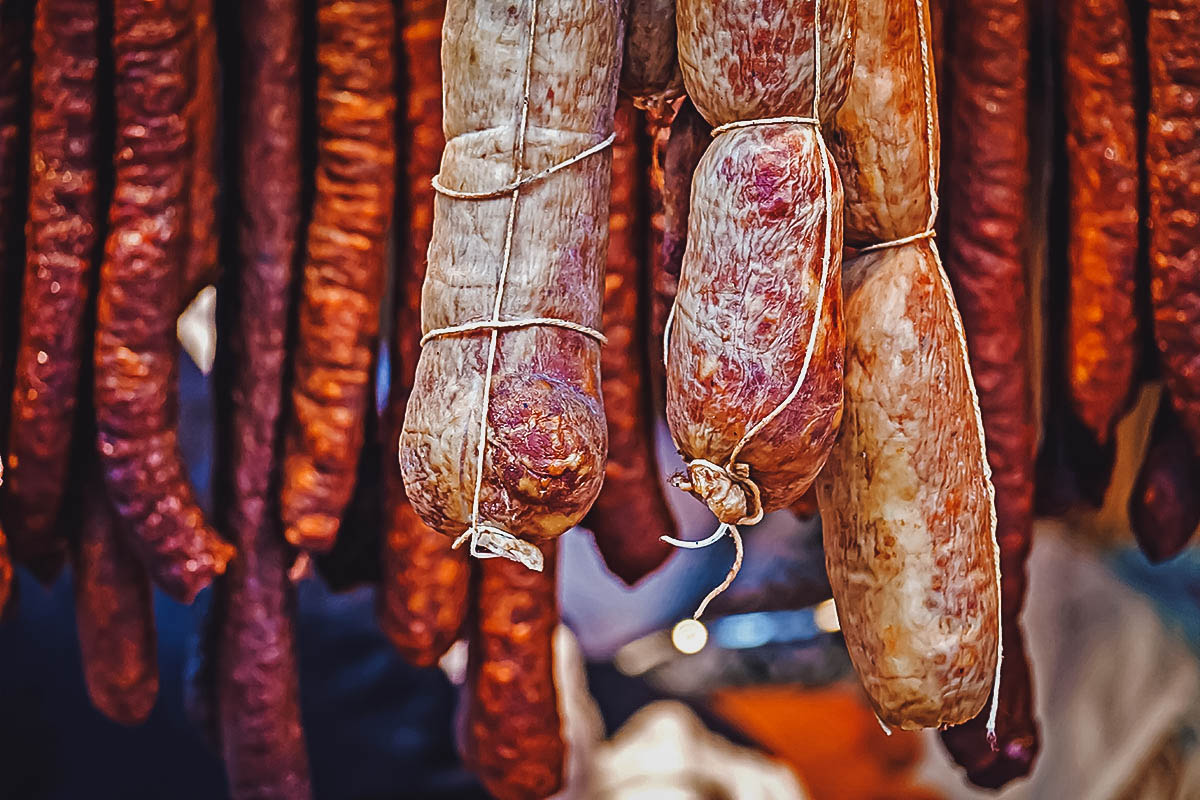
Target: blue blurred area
(377, 728)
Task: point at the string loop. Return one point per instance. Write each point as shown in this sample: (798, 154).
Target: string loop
(717, 483)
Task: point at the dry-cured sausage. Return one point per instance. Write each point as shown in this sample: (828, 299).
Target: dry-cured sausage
(16, 27)
(985, 184)
(201, 265)
(344, 272)
(140, 283)
(536, 385)
(650, 70)
(905, 501)
(114, 614)
(754, 352)
(1172, 140)
(688, 140)
(1164, 507)
(513, 736)
(631, 513)
(1103, 342)
(423, 598)
(253, 682)
(61, 238)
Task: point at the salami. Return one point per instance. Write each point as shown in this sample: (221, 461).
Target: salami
(986, 181)
(60, 250)
(688, 140)
(650, 70)
(754, 353)
(140, 283)
(906, 490)
(631, 514)
(253, 646)
(905, 499)
(343, 276)
(512, 298)
(423, 599)
(201, 265)
(1103, 342)
(16, 26)
(114, 616)
(513, 735)
(1172, 140)
(1164, 508)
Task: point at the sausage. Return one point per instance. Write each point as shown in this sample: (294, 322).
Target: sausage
(650, 70)
(252, 676)
(60, 248)
(806, 506)
(906, 504)
(543, 459)
(114, 615)
(202, 258)
(986, 182)
(631, 513)
(513, 735)
(688, 140)
(140, 283)
(879, 137)
(1172, 138)
(1164, 508)
(344, 270)
(1017, 740)
(744, 61)
(6, 573)
(423, 599)
(16, 27)
(754, 362)
(1102, 148)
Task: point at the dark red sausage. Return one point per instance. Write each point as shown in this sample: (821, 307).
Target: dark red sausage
(984, 186)
(254, 672)
(423, 598)
(631, 512)
(16, 28)
(1164, 508)
(203, 241)
(114, 615)
(513, 740)
(1103, 341)
(344, 270)
(61, 241)
(140, 286)
(1172, 141)
(6, 573)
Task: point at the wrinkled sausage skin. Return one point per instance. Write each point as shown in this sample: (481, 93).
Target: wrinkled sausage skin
(905, 500)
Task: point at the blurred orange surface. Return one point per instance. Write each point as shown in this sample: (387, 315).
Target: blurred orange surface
(831, 739)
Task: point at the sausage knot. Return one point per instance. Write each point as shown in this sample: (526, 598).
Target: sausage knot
(728, 491)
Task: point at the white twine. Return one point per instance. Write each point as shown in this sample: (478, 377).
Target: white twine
(931, 163)
(734, 471)
(489, 541)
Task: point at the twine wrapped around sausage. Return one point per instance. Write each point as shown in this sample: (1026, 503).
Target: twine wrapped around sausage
(864, 491)
(728, 488)
(487, 540)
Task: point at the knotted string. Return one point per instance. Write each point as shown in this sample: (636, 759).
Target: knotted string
(489, 541)
(735, 473)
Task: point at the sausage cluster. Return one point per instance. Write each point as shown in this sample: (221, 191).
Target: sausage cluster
(552, 231)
